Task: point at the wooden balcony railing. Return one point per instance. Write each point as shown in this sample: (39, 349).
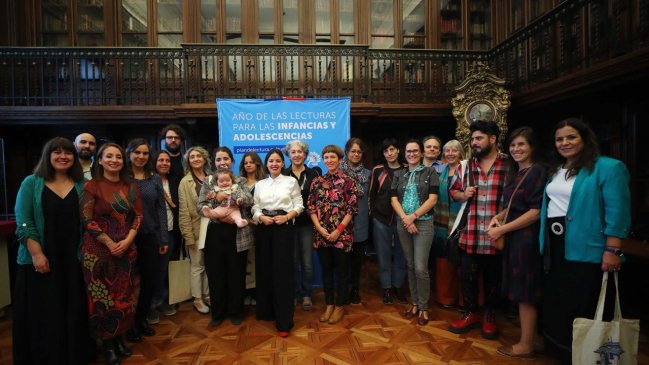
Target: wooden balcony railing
(576, 35)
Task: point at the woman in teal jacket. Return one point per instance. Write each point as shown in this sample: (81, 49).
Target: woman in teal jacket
(585, 215)
(50, 323)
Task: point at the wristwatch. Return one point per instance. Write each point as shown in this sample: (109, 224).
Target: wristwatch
(614, 250)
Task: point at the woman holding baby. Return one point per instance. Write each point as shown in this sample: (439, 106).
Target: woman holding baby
(227, 240)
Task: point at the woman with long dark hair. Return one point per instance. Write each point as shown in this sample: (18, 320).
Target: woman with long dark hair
(585, 215)
(277, 202)
(152, 239)
(226, 245)
(522, 263)
(50, 312)
(111, 212)
(252, 169)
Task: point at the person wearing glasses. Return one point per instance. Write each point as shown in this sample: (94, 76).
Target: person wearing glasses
(352, 166)
(414, 194)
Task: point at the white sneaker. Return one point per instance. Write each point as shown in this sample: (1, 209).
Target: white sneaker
(201, 307)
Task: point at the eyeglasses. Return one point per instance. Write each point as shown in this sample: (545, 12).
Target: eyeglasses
(356, 152)
(412, 152)
(173, 138)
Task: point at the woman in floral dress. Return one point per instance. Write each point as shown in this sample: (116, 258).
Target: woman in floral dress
(111, 212)
(333, 201)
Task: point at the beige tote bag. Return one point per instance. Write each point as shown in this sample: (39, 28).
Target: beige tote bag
(597, 342)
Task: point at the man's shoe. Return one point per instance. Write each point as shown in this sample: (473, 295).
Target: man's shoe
(489, 328)
(307, 304)
(153, 317)
(133, 335)
(146, 329)
(121, 348)
(463, 325)
(400, 293)
(354, 296)
(327, 313)
(167, 310)
(337, 315)
(387, 296)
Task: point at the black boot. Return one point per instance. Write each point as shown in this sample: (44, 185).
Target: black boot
(110, 353)
(146, 329)
(134, 335)
(121, 348)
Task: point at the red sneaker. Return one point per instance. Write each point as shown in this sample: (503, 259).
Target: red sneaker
(463, 325)
(489, 328)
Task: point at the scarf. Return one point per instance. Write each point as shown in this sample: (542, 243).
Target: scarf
(355, 173)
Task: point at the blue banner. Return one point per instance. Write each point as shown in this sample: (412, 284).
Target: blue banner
(259, 125)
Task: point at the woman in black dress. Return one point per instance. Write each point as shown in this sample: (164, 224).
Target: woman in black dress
(50, 323)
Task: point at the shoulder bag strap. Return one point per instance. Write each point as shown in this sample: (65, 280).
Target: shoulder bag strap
(514, 193)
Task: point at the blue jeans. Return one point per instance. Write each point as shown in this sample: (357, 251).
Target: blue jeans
(389, 254)
(303, 260)
(416, 248)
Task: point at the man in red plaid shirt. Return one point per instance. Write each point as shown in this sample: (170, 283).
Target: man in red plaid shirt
(489, 169)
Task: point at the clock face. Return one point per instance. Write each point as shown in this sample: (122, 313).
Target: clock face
(480, 111)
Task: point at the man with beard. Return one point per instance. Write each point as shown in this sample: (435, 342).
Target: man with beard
(489, 170)
(85, 144)
(174, 136)
(432, 150)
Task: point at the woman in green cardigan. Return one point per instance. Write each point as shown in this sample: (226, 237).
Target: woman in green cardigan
(50, 323)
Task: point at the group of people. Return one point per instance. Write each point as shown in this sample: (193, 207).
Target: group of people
(96, 231)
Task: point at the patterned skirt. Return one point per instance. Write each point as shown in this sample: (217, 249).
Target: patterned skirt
(113, 287)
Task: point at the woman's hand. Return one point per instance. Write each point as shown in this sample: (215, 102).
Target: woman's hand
(495, 231)
(119, 248)
(266, 220)
(41, 263)
(494, 223)
(469, 192)
(280, 219)
(412, 229)
(611, 261)
(333, 236)
(408, 220)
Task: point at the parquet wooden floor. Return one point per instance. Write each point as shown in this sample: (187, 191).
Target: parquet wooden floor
(370, 333)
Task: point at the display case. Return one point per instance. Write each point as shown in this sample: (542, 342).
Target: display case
(169, 17)
(414, 24)
(55, 23)
(134, 22)
(479, 24)
(450, 20)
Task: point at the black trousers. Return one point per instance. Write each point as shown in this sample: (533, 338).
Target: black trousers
(226, 270)
(148, 264)
(274, 274)
(335, 260)
(472, 266)
(356, 263)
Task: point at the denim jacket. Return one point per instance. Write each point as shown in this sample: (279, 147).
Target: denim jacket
(427, 181)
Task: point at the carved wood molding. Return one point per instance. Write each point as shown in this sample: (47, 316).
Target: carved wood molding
(480, 88)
